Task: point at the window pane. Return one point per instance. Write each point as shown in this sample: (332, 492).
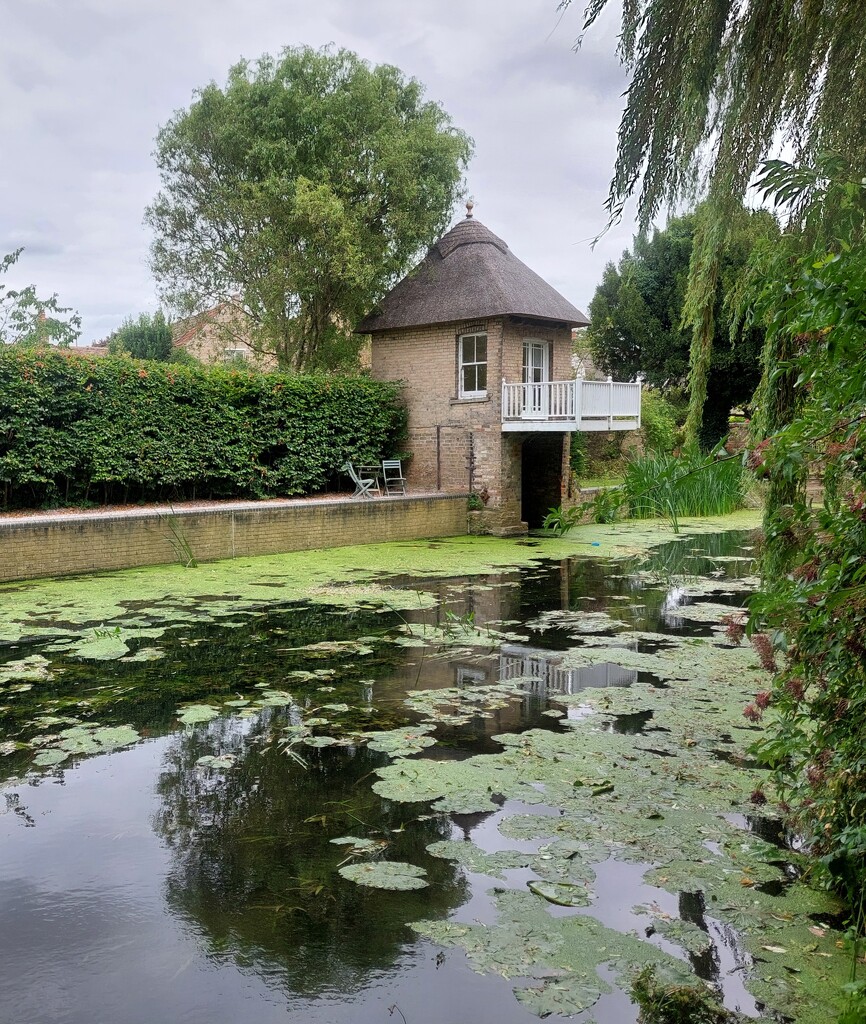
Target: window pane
(473, 364)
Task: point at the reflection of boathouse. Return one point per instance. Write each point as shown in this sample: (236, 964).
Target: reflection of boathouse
(543, 673)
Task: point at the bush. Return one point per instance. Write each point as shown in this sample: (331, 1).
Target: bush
(672, 1002)
(579, 454)
(688, 485)
(75, 429)
(148, 337)
(605, 455)
(660, 423)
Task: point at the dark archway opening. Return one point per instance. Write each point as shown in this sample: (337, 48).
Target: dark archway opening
(541, 479)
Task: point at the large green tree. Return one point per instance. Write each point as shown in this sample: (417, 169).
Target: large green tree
(716, 87)
(27, 319)
(307, 184)
(636, 317)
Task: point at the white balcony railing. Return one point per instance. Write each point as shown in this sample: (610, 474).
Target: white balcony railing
(571, 405)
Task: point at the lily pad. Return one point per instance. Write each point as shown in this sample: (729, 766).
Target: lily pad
(563, 894)
(47, 758)
(477, 860)
(219, 762)
(400, 742)
(386, 874)
(33, 669)
(565, 996)
(146, 654)
(360, 845)
(320, 741)
(196, 713)
(109, 738)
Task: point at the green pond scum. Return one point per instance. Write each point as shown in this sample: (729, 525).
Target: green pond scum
(172, 594)
(376, 734)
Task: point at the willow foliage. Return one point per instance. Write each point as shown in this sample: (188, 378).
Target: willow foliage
(716, 87)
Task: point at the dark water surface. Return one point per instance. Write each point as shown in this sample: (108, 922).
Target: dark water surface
(136, 888)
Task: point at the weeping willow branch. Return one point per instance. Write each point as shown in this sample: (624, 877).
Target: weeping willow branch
(716, 88)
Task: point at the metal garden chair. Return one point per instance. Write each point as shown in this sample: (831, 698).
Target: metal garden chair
(364, 486)
(392, 476)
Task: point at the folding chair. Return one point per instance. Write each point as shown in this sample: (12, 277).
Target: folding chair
(392, 476)
(364, 486)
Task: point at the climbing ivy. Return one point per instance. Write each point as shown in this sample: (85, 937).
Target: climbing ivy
(809, 622)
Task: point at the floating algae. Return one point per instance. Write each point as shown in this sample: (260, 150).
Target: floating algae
(589, 800)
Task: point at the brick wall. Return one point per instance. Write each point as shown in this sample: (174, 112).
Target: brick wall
(459, 445)
(440, 424)
(36, 546)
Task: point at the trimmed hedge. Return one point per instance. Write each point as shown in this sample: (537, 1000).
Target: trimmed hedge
(74, 429)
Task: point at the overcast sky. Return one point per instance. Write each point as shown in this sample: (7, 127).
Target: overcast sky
(86, 84)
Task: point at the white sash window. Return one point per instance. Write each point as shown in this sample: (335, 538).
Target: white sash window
(472, 365)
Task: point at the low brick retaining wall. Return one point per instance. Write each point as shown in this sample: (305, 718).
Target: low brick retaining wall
(40, 545)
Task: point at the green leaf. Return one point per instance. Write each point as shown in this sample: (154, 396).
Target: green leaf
(196, 713)
(386, 875)
(563, 894)
(50, 757)
(219, 762)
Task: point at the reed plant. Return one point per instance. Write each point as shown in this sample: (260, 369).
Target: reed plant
(659, 485)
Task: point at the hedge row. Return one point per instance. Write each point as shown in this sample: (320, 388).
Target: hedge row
(76, 430)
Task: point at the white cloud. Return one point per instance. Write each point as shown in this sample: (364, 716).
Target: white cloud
(86, 84)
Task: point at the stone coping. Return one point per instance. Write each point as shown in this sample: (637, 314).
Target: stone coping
(49, 544)
(45, 517)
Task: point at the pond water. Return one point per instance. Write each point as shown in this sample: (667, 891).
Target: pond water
(141, 883)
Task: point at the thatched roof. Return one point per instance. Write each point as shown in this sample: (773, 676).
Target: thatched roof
(469, 274)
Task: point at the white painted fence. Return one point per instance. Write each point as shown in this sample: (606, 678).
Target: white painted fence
(571, 405)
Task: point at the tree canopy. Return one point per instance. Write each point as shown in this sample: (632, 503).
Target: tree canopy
(147, 337)
(308, 184)
(636, 317)
(716, 88)
(25, 319)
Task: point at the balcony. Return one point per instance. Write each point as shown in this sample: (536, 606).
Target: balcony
(571, 405)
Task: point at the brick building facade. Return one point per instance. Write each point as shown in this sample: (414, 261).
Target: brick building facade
(470, 318)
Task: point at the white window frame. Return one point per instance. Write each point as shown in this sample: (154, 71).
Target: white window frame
(231, 353)
(534, 344)
(463, 364)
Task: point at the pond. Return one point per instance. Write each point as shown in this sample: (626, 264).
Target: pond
(544, 765)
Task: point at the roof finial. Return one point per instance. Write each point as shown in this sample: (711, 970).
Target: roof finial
(470, 206)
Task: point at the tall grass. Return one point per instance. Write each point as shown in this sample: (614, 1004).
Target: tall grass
(668, 486)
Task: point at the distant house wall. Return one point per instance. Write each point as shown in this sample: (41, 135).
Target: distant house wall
(458, 444)
(220, 335)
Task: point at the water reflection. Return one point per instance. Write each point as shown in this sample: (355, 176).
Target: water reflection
(544, 675)
(253, 866)
(215, 896)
